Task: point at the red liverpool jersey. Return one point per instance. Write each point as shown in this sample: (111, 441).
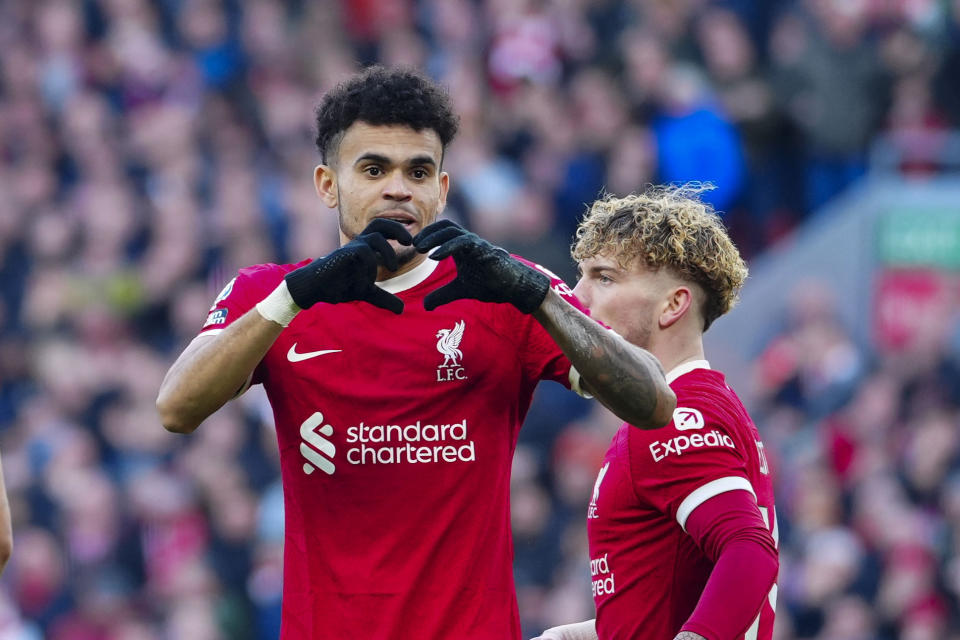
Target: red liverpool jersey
(647, 573)
(396, 437)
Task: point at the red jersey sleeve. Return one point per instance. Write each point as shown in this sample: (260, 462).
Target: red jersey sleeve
(731, 532)
(697, 456)
(541, 357)
(241, 294)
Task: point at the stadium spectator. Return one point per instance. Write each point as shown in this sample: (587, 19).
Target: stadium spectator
(945, 90)
(838, 96)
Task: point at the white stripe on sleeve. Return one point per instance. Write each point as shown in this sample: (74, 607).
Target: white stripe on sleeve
(714, 488)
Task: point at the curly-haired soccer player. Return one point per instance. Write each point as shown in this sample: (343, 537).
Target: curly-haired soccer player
(681, 527)
(399, 382)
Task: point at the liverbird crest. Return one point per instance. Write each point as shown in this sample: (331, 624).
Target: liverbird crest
(449, 343)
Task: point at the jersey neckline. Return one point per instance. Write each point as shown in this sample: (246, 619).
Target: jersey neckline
(684, 368)
(411, 278)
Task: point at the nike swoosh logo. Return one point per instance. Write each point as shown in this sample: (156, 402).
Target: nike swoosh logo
(293, 356)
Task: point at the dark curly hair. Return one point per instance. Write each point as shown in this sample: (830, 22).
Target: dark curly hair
(384, 96)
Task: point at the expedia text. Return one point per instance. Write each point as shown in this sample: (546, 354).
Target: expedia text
(679, 444)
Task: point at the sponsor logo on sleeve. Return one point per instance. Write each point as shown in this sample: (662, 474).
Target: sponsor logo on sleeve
(685, 418)
(558, 284)
(224, 293)
(218, 316)
(563, 289)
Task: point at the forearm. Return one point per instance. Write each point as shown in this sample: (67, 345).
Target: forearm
(6, 526)
(625, 378)
(211, 371)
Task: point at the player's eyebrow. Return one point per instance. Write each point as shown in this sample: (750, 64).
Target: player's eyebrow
(415, 161)
(597, 269)
(419, 161)
(373, 157)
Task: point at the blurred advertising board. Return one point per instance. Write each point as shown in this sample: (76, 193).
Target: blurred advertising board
(918, 259)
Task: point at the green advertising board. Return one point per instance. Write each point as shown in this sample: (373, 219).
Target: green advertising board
(920, 237)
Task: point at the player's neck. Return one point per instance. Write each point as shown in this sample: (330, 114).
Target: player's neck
(674, 350)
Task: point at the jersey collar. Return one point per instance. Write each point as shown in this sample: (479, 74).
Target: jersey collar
(685, 367)
(409, 279)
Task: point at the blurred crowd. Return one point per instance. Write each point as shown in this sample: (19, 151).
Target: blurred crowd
(148, 149)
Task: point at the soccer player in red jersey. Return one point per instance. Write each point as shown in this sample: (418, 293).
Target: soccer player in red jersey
(682, 528)
(399, 382)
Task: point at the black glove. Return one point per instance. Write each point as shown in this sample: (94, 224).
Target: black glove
(485, 272)
(349, 273)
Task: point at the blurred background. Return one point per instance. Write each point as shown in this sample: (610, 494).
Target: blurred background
(148, 149)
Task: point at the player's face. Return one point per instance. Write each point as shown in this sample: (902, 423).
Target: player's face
(385, 171)
(628, 300)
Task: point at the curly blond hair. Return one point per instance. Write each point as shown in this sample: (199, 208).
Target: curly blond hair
(667, 226)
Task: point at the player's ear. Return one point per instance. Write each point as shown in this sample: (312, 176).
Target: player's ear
(325, 181)
(678, 302)
(444, 189)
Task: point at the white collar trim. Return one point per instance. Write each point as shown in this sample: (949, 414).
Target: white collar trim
(411, 278)
(685, 367)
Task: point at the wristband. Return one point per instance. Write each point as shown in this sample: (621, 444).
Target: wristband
(279, 306)
(586, 630)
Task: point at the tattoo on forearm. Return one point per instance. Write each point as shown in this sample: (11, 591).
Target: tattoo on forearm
(622, 377)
